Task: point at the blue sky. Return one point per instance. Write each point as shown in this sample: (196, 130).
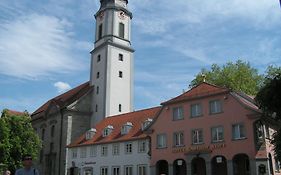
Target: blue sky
(45, 45)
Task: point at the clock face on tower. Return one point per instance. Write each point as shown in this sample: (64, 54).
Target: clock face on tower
(122, 15)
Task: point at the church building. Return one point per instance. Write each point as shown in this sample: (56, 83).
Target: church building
(109, 91)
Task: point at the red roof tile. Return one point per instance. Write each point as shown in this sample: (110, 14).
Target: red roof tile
(65, 98)
(246, 101)
(201, 90)
(16, 113)
(136, 118)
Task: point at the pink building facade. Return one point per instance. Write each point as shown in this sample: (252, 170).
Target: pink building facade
(211, 130)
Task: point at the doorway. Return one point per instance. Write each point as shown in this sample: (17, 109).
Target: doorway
(219, 165)
(198, 166)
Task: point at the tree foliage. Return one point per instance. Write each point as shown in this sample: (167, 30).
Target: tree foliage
(269, 100)
(239, 76)
(17, 137)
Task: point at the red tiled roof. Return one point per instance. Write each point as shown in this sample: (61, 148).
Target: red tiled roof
(16, 113)
(65, 98)
(246, 101)
(136, 118)
(201, 90)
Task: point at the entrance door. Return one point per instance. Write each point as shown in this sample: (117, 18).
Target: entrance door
(162, 167)
(179, 167)
(198, 166)
(241, 164)
(219, 165)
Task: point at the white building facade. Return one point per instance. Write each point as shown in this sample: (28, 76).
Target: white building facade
(116, 146)
(118, 158)
(112, 63)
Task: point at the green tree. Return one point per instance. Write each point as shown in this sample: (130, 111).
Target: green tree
(17, 137)
(239, 76)
(269, 101)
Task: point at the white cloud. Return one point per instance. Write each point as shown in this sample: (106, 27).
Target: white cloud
(35, 46)
(62, 86)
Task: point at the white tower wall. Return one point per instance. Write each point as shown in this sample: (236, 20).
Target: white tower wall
(111, 76)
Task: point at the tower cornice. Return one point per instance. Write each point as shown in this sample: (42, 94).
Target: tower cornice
(108, 42)
(116, 8)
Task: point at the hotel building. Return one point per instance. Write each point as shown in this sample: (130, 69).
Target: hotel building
(211, 130)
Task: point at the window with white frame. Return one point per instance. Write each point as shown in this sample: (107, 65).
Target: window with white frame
(215, 106)
(83, 152)
(142, 169)
(104, 150)
(104, 171)
(146, 123)
(128, 148)
(196, 110)
(116, 170)
(177, 113)
(126, 128)
(74, 153)
(93, 151)
(128, 170)
(178, 139)
(115, 149)
(142, 146)
(107, 130)
(238, 131)
(217, 134)
(161, 141)
(197, 136)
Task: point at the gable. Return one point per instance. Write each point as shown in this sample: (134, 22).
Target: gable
(202, 90)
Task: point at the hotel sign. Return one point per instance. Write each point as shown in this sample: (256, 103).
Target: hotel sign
(200, 149)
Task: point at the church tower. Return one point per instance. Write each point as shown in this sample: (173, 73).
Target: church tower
(112, 62)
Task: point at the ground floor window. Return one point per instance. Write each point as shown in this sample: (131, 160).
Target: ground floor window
(116, 170)
(128, 170)
(104, 171)
(142, 169)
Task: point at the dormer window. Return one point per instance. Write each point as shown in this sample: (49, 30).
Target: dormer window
(126, 128)
(107, 130)
(90, 133)
(146, 123)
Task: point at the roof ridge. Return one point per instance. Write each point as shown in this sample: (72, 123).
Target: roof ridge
(141, 110)
(190, 90)
(58, 97)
